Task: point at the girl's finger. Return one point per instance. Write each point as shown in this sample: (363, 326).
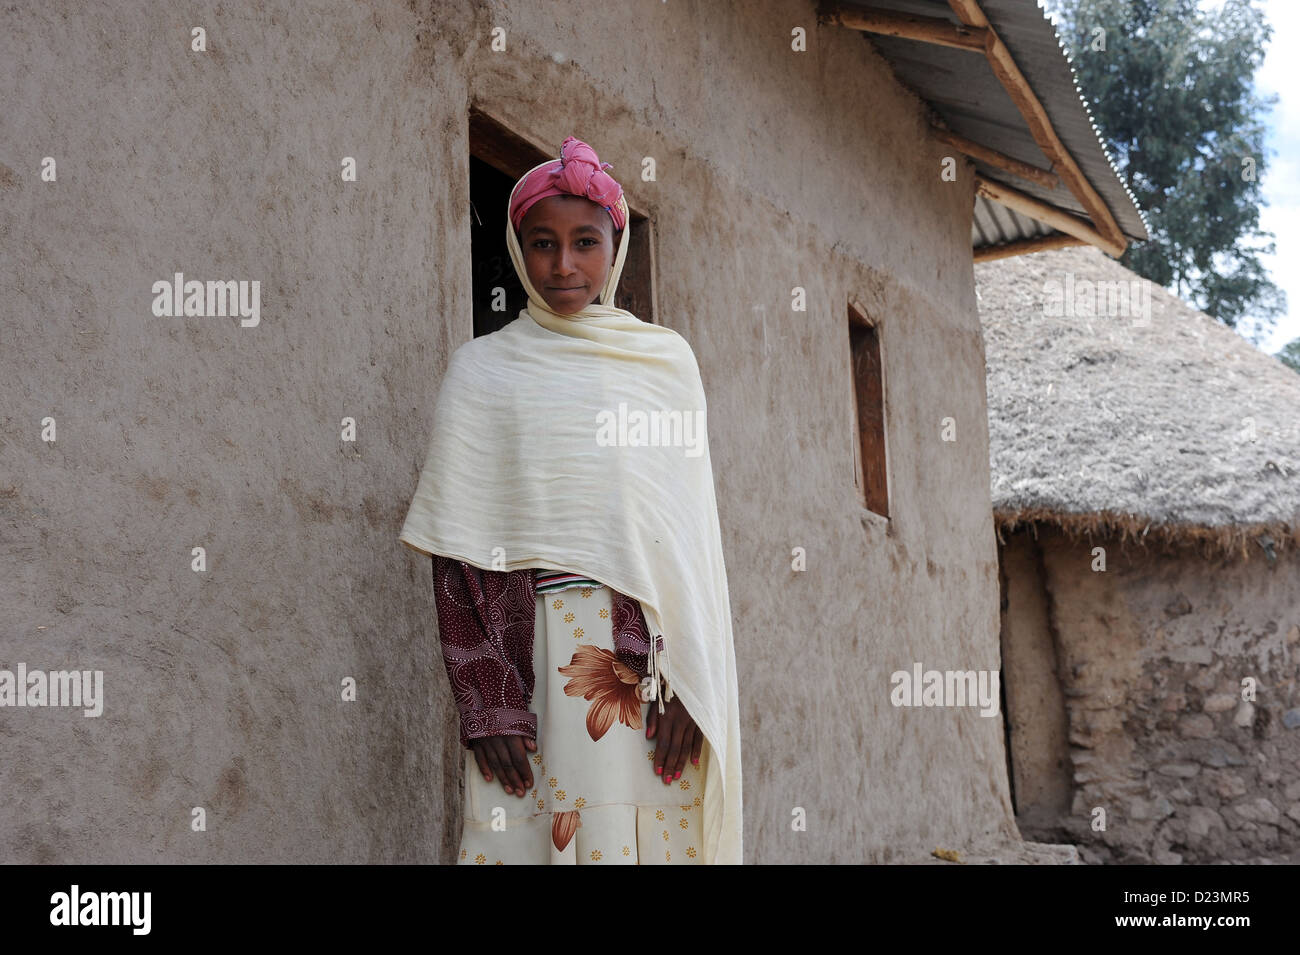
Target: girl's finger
(652, 719)
(671, 741)
(683, 741)
(519, 756)
(509, 772)
(482, 761)
(698, 746)
(661, 744)
(494, 765)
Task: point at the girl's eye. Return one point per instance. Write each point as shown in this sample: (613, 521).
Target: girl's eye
(538, 243)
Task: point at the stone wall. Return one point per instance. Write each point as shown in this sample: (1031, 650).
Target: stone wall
(1151, 656)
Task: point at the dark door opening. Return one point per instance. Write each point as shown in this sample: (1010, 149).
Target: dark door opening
(498, 293)
(498, 157)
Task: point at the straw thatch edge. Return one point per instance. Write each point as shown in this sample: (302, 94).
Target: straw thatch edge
(1238, 541)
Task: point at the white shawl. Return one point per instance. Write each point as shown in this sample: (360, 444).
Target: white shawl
(519, 474)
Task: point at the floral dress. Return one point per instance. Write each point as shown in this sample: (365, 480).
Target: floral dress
(596, 797)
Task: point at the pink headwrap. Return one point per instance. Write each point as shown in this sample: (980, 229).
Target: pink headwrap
(578, 172)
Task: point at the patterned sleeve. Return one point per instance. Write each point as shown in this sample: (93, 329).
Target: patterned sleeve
(485, 626)
(632, 635)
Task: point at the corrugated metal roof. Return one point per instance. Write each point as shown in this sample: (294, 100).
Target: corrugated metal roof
(963, 90)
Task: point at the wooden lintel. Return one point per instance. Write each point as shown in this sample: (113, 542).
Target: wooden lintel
(1040, 126)
(908, 26)
(1023, 170)
(1057, 240)
(1047, 214)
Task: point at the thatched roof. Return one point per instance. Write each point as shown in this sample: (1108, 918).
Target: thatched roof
(1101, 426)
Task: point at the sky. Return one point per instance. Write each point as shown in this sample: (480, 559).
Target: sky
(1280, 181)
(1280, 74)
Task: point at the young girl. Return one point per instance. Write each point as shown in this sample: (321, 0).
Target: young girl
(561, 542)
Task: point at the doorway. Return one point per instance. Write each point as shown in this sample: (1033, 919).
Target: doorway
(498, 157)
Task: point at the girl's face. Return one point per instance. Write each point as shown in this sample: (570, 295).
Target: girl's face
(569, 245)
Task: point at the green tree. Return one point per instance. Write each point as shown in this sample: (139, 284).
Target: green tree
(1171, 88)
(1290, 354)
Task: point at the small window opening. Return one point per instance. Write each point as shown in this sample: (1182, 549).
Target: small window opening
(869, 463)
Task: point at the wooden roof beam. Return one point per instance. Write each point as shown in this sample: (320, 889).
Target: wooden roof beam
(1040, 126)
(1023, 170)
(1057, 240)
(909, 27)
(1047, 214)
(976, 34)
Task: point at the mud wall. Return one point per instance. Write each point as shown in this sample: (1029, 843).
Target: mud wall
(776, 169)
(1179, 675)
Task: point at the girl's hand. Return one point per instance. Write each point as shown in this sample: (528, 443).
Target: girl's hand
(506, 757)
(677, 737)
